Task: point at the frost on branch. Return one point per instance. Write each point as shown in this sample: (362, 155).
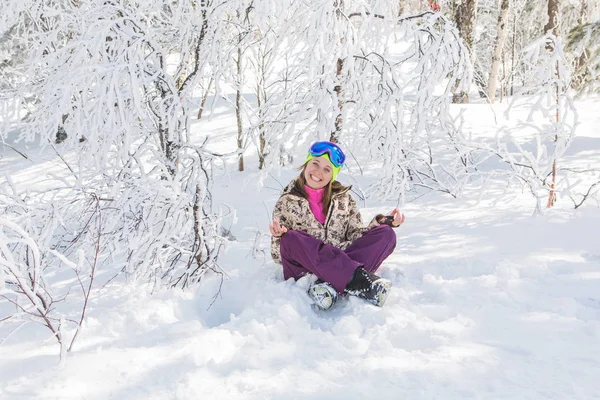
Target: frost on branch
(33, 274)
(584, 44)
(166, 229)
(399, 103)
(122, 74)
(534, 149)
(380, 85)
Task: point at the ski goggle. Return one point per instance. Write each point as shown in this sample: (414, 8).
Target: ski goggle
(336, 155)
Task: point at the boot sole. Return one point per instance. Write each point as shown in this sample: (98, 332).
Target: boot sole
(382, 286)
(383, 290)
(322, 297)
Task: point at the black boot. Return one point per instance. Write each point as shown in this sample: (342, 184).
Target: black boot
(369, 287)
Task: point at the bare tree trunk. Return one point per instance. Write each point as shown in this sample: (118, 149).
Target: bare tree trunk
(261, 127)
(206, 93)
(503, 79)
(512, 57)
(465, 17)
(552, 23)
(468, 18)
(182, 77)
(401, 7)
(170, 140)
(493, 79)
(171, 149)
(198, 236)
(262, 143)
(238, 111)
(338, 90)
(552, 194)
(551, 28)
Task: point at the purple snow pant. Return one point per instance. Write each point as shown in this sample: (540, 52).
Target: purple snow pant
(301, 253)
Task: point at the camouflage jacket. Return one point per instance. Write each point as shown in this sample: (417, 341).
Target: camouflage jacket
(342, 226)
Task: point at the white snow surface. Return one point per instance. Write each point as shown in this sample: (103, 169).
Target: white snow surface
(489, 302)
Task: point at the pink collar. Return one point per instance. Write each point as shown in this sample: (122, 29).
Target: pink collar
(314, 192)
(315, 201)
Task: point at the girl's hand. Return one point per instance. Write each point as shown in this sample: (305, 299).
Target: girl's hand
(398, 218)
(276, 229)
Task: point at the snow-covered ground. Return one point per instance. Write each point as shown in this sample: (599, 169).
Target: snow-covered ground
(489, 302)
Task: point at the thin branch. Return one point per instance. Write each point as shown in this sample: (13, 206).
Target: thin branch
(63, 160)
(20, 153)
(92, 276)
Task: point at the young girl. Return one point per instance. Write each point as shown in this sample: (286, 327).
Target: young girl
(317, 229)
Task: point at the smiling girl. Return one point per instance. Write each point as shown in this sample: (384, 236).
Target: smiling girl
(317, 229)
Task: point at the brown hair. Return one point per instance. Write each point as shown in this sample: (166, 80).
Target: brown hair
(332, 188)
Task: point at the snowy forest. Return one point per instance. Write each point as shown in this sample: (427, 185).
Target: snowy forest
(138, 137)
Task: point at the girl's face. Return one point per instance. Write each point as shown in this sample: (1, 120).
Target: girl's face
(318, 172)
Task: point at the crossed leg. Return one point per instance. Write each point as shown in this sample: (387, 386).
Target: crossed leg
(301, 253)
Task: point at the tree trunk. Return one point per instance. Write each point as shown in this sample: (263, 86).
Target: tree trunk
(261, 127)
(198, 234)
(401, 7)
(493, 79)
(201, 110)
(513, 55)
(238, 110)
(206, 93)
(503, 79)
(465, 17)
(552, 193)
(551, 27)
(552, 23)
(338, 90)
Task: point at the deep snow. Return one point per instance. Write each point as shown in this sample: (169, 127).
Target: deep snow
(489, 302)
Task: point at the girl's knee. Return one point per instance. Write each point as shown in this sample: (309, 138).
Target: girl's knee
(388, 234)
(290, 238)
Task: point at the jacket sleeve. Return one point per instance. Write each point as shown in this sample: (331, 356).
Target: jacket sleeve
(355, 225)
(279, 215)
(275, 251)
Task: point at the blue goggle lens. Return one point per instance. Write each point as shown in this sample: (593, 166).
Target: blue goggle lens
(336, 155)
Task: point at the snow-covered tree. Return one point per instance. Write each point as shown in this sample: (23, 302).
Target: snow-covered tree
(534, 148)
(122, 73)
(498, 49)
(583, 43)
(35, 233)
(377, 84)
(404, 126)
